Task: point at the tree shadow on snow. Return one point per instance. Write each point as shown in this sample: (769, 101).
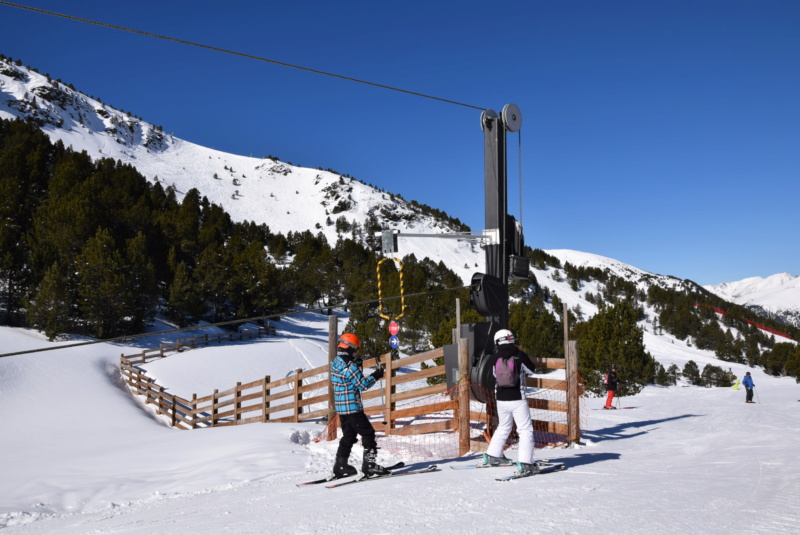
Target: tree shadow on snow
(629, 429)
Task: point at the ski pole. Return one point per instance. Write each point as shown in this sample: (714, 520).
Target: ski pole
(383, 401)
(383, 407)
(757, 398)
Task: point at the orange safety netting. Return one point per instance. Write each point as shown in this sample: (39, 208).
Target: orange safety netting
(441, 413)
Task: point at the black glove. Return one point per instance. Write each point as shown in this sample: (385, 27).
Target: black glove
(378, 374)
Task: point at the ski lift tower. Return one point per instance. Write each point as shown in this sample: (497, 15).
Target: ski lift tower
(503, 254)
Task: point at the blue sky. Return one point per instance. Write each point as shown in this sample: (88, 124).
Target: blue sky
(662, 134)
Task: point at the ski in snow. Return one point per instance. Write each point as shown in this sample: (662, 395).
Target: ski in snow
(543, 469)
(473, 466)
(331, 478)
(387, 476)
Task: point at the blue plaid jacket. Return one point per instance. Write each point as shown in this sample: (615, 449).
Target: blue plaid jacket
(348, 382)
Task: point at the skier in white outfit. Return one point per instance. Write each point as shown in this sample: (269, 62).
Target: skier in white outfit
(512, 405)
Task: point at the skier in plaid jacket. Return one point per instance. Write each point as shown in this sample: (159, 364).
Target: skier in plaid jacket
(348, 382)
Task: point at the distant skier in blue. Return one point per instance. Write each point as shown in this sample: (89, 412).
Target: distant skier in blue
(749, 385)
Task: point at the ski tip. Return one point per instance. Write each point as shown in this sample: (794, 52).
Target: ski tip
(317, 482)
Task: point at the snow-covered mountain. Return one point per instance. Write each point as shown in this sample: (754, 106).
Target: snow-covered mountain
(264, 190)
(291, 198)
(777, 296)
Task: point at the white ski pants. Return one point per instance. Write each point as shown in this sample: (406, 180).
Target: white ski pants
(508, 413)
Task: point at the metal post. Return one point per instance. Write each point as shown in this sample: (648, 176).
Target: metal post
(463, 397)
(457, 331)
(333, 338)
(389, 389)
(495, 198)
(565, 316)
(496, 195)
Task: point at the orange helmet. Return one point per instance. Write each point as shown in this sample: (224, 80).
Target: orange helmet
(349, 341)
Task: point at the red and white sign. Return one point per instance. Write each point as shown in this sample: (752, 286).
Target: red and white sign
(394, 328)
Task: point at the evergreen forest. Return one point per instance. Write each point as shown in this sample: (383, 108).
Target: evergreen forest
(93, 248)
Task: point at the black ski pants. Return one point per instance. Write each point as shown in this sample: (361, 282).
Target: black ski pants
(353, 425)
(749, 394)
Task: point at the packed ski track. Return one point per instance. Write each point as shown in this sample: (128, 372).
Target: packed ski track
(82, 455)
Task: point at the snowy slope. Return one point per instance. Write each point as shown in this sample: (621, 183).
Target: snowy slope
(688, 458)
(776, 296)
(81, 455)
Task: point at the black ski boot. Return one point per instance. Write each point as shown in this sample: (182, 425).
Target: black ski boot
(342, 469)
(525, 469)
(370, 467)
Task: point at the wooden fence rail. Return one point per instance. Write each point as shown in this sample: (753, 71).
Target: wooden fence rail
(306, 395)
(191, 343)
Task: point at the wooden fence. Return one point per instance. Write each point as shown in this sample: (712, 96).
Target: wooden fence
(307, 395)
(261, 400)
(182, 344)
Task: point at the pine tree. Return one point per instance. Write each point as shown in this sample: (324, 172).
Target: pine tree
(716, 376)
(774, 360)
(26, 156)
(692, 373)
(710, 336)
(51, 310)
(792, 365)
(212, 274)
(253, 288)
(141, 292)
(537, 330)
(184, 304)
(673, 372)
(417, 278)
(612, 336)
(312, 266)
(101, 285)
(663, 377)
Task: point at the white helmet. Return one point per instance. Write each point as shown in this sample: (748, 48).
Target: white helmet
(503, 336)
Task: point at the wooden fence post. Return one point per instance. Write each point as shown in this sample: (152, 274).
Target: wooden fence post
(214, 407)
(174, 409)
(463, 397)
(237, 404)
(146, 388)
(264, 393)
(333, 340)
(573, 394)
(194, 411)
(297, 395)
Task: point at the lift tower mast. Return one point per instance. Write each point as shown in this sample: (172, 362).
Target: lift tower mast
(509, 235)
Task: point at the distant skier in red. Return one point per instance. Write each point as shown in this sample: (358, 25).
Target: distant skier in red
(611, 386)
